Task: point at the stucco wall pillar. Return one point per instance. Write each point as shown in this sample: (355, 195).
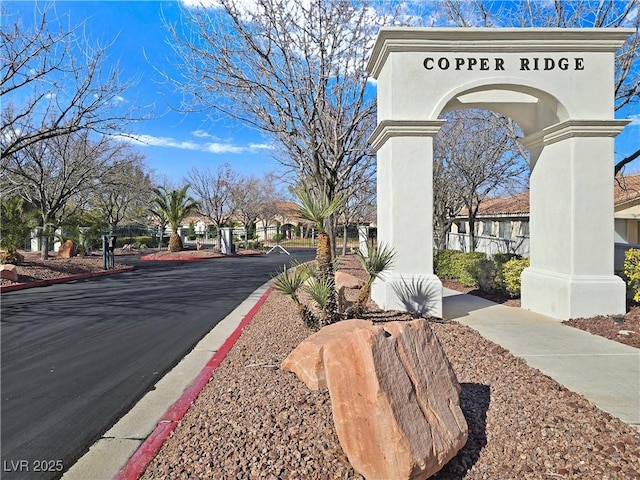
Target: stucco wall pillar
(405, 213)
(572, 231)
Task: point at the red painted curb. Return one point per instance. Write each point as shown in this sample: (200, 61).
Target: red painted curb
(138, 462)
(70, 278)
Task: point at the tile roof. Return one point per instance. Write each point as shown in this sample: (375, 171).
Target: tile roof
(517, 204)
(626, 189)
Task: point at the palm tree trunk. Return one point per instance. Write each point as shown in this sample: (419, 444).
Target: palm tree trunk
(323, 255)
(175, 242)
(363, 295)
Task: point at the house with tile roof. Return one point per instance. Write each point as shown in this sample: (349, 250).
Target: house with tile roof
(502, 224)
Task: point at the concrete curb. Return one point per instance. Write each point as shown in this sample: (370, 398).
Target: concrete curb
(70, 278)
(126, 449)
(136, 465)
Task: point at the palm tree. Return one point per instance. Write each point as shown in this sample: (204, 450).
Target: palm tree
(317, 208)
(173, 206)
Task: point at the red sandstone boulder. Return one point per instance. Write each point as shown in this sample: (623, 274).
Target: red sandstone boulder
(306, 361)
(394, 395)
(347, 280)
(67, 250)
(9, 272)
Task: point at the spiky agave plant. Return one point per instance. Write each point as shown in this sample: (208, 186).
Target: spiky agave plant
(290, 282)
(380, 259)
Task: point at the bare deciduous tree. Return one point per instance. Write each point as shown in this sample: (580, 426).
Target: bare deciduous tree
(477, 155)
(125, 191)
(560, 13)
(58, 176)
(53, 82)
(293, 70)
(215, 193)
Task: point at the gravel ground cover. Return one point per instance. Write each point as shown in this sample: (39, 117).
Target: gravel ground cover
(34, 269)
(254, 421)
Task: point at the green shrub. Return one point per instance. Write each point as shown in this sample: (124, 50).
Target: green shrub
(632, 271)
(122, 241)
(254, 245)
(466, 267)
(502, 258)
(460, 266)
(489, 275)
(512, 270)
(143, 240)
(135, 241)
(443, 265)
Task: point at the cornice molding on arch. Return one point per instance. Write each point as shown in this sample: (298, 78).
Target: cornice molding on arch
(493, 40)
(573, 128)
(387, 129)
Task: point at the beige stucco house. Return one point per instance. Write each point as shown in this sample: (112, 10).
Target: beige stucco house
(502, 224)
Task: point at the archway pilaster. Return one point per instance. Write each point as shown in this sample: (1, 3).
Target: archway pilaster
(571, 221)
(405, 210)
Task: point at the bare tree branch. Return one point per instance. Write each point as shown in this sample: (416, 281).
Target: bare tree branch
(53, 83)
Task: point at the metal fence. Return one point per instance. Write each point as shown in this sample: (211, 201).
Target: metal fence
(284, 237)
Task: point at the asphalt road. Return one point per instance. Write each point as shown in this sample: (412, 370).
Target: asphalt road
(77, 356)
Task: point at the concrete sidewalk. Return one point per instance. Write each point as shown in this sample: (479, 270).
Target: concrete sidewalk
(605, 372)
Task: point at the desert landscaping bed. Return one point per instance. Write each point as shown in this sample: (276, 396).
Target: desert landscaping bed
(34, 269)
(255, 421)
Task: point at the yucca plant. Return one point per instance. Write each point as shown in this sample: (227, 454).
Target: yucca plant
(317, 208)
(322, 292)
(290, 283)
(380, 259)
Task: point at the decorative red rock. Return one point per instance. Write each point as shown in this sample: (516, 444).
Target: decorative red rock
(306, 361)
(347, 280)
(9, 272)
(394, 395)
(67, 250)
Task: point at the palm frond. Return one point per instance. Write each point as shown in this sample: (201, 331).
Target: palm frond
(380, 259)
(320, 290)
(317, 207)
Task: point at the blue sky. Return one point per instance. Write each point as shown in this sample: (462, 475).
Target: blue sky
(175, 142)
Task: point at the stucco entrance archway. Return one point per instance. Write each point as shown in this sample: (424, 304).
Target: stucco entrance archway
(558, 85)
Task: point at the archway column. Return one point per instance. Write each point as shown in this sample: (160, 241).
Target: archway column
(571, 221)
(405, 215)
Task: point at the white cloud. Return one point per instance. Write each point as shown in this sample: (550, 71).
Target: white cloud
(635, 120)
(201, 134)
(223, 148)
(211, 147)
(201, 3)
